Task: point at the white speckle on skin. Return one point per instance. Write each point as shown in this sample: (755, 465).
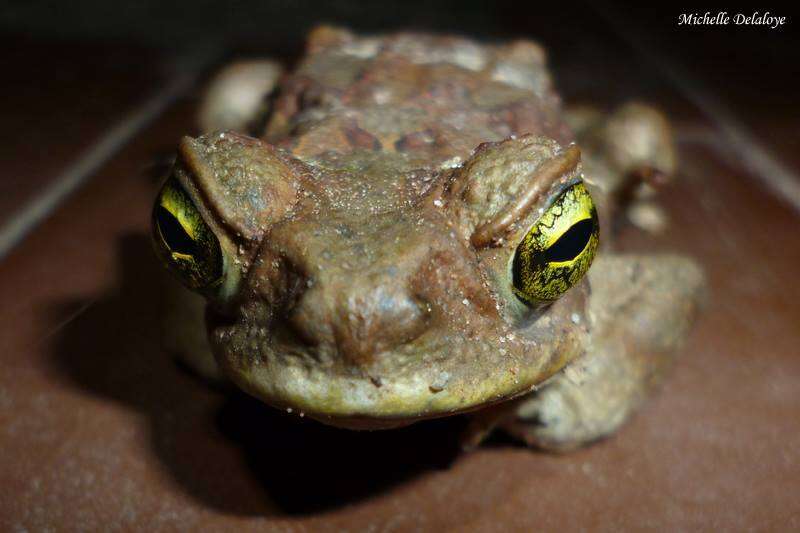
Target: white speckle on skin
(441, 382)
(453, 162)
(576, 318)
(381, 96)
(465, 301)
(363, 48)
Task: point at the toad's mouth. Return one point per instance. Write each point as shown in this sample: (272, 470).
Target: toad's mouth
(439, 373)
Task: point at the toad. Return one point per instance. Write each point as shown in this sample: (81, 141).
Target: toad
(410, 226)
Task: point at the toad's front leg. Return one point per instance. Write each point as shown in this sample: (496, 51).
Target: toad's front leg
(640, 311)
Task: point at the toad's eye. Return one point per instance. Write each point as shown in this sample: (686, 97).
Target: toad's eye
(183, 241)
(558, 249)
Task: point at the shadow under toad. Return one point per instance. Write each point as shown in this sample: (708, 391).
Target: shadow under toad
(223, 447)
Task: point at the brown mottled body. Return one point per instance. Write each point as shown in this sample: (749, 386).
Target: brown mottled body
(420, 101)
(368, 236)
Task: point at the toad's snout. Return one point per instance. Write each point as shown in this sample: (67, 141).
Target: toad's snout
(356, 318)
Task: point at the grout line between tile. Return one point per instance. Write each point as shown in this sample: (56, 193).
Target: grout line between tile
(31, 214)
(738, 140)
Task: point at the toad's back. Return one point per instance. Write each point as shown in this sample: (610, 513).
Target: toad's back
(383, 105)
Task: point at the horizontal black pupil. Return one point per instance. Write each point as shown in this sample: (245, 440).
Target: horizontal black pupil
(571, 243)
(173, 233)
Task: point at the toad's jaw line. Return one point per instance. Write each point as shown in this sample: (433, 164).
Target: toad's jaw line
(356, 400)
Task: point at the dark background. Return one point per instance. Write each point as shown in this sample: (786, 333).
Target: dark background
(101, 430)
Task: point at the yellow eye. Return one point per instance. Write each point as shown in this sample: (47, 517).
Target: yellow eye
(558, 249)
(183, 241)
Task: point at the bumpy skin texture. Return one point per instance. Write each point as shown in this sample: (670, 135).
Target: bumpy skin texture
(368, 234)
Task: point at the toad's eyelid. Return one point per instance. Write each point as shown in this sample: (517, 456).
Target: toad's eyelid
(548, 173)
(560, 190)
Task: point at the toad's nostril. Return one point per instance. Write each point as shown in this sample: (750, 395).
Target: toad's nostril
(369, 324)
(359, 323)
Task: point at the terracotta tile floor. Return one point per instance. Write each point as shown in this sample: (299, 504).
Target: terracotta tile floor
(100, 430)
